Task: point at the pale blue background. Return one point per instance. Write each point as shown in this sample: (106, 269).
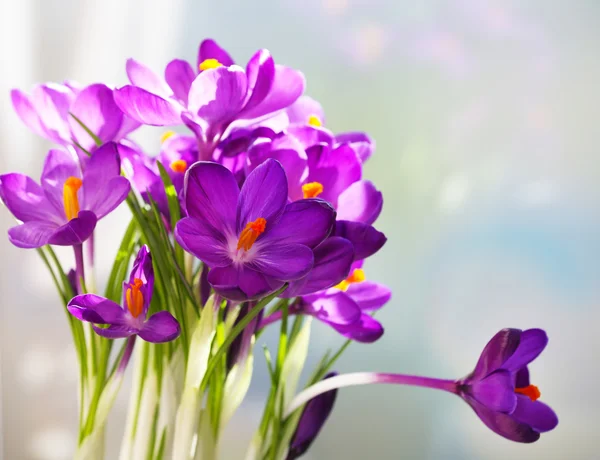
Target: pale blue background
(485, 115)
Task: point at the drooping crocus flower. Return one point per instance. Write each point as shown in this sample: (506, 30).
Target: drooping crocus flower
(47, 112)
(114, 321)
(64, 210)
(499, 389)
(211, 96)
(252, 239)
(313, 418)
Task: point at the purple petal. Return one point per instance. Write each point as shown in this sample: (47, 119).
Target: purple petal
(32, 234)
(225, 282)
(159, 328)
(522, 378)
(260, 73)
(536, 414)
(284, 262)
(264, 194)
(25, 199)
(255, 285)
(310, 136)
(496, 352)
(333, 259)
(360, 202)
(142, 270)
(533, 342)
(361, 143)
(116, 331)
(26, 112)
(203, 241)
(368, 295)
(137, 168)
(303, 108)
(366, 330)
(306, 222)
(58, 167)
(52, 103)
(335, 308)
(147, 108)
(179, 76)
(95, 107)
(503, 424)
(211, 195)
(210, 50)
(496, 392)
(96, 309)
(141, 76)
(103, 187)
(217, 95)
(127, 126)
(365, 239)
(76, 231)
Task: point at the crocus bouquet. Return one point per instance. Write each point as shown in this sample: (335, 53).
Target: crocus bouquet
(260, 218)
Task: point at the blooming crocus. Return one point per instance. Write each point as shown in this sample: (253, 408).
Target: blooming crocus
(313, 418)
(211, 96)
(64, 209)
(114, 321)
(252, 239)
(51, 109)
(499, 389)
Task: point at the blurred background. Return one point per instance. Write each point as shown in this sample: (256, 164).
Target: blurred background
(484, 113)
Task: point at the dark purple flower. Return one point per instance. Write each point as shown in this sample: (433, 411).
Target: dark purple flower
(131, 318)
(47, 113)
(210, 97)
(499, 389)
(253, 240)
(313, 418)
(64, 210)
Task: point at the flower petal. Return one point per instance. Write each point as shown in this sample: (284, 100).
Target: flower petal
(368, 295)
(264, 194)
(147, 108)
(179, 76)
(25, 199)
(536, 414)
(360, 202)
(225, 282)
(496, 392)
(360, 142)
(95, 107)
(116, 331)
(255, 285)
(76, 231)
(203, 241)
(284, 262)
(141, 76)
(496, 352)
(58, 167)
(211, 195)
(366, 330)
(522, 378)
(142, 269)
(306, 222)
(260, 73)
(32, 234)
(160, 327)
(365, 239)
(533, 342)
(96, 309)
(303, 108)
(52, 103)
(26, 112)
(210, 50)
(335, 308)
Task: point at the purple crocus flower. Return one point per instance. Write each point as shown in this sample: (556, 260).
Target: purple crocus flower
(64, 210)
(47, 112)
(313, 418)
(499, 389)
(131, 318)
(252, 239)
(209, 98)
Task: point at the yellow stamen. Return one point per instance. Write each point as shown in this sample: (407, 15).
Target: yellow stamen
(179, 166)
(312, 189)
(70, 200)
(314, 120)
(135, 298)
(252, 231)
(531, 390)
(166, 135)
(209, 64)
(357, 276)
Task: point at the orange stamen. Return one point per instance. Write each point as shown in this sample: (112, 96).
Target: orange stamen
(70, 200)
(357, 276)
(312, 189)
(166, 135)
(252, 231)
(531, 390)
(179, 166)
(313, 120)
(209, 64)
(135, 298)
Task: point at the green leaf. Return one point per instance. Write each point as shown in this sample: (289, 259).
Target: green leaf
(96, 139)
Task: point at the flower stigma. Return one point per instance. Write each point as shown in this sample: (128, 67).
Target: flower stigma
(209, 64)
(250, 233)
(135, 298)
(70, 200)
(357, 276)
(531, 391)
(315, 121)
(179, 166)
(312, 189)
